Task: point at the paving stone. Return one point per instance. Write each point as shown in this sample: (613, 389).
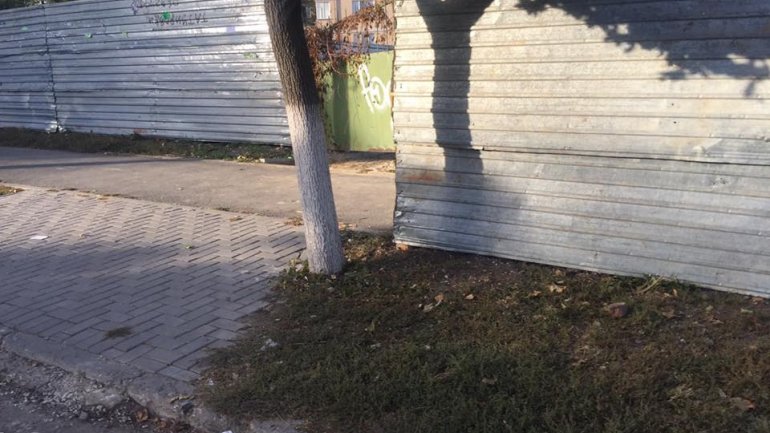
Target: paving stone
(223, 334)
(164, 355)
(149, 365)
(113, 353)
(230, 325)
(55, 329)
(41, 324)
(103, 346)
(228, 314)
(166, 342)
(178, 373)
(132, 354)
(190, 360)
(196, 345)
(78, 327)
(118, 263)
(129, 342)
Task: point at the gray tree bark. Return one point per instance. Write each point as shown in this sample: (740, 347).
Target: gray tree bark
(306, 128)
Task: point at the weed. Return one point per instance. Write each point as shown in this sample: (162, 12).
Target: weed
(8, 190)
(137, 144)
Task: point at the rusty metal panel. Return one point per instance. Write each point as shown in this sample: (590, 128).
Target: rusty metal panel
(26, 88)
(630, 137)
(194, 69)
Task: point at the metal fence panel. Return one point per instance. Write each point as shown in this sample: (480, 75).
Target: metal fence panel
(26, 87)
(627, 137)
(193, 69)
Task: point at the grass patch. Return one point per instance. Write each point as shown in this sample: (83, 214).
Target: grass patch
(430, 341)
(136, 144)
(359, 162)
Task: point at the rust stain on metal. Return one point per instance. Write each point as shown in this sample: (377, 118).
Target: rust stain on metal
(425, 176)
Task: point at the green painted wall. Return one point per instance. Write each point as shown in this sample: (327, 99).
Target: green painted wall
(358, 108)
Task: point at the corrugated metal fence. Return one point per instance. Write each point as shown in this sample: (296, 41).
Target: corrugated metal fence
(26, 84)
(621, 136)
(197, 69)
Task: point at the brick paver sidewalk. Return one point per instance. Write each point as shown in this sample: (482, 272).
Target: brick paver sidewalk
(175, 279)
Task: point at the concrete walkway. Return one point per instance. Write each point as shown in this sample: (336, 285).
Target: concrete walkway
(363, 200)
(129, 292)
(142, 283)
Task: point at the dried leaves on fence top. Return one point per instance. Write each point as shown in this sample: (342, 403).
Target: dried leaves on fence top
(339, 47)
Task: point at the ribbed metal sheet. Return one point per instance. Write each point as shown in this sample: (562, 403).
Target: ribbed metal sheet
(26, 89)
(195, 69)
(629, 137)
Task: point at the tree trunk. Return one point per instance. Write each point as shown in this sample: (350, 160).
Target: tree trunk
(306, 127)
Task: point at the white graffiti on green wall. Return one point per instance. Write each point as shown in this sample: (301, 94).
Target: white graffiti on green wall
(376, 93)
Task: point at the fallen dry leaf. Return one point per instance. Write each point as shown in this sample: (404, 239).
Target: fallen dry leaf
(372, 326)
(555, 288)
(535, 293)
(439, 299)
(714, 321)
(682, 391)
(181, 397)
(743, 404)
(668, 313)
(141, 415)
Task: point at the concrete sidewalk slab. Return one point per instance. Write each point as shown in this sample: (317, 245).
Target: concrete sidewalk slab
(363, 200)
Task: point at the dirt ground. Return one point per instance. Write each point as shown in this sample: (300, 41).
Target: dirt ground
(35, 398)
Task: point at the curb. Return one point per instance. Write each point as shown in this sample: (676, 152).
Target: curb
(166, 397)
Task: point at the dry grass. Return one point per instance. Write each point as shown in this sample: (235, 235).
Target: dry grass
(428, 341)
(136, 144)
(8, 190)
(359, 162)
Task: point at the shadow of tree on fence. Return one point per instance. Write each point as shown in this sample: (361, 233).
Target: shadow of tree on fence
(451, 77)
(698, 39)
(741, 51)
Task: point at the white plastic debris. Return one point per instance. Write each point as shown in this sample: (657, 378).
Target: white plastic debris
(269, 344)
(38, 237)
